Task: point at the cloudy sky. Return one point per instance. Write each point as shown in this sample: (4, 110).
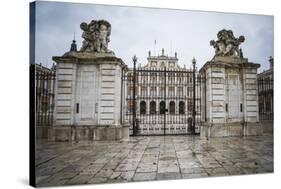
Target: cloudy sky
(135, 29)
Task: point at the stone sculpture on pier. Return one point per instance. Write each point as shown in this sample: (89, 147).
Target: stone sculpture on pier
(96, 36)
(227, 44)
(88, 91)
(230, 90)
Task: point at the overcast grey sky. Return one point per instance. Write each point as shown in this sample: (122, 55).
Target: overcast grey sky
(134, 30)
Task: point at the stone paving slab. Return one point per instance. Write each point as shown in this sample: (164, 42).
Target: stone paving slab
(151, 158)
(144, 176)
(194, 175)
(169, 176)
(144, 168)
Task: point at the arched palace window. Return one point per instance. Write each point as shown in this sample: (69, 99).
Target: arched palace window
(142, 107)
(181, 107)
(152, 107)
(172, 107)
(162, 107)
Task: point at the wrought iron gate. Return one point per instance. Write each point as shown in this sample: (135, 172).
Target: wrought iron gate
(265, 93)
(45, 95)
(161, 101)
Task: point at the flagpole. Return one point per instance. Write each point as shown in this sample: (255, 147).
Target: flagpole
(171, 49)
(154, 47)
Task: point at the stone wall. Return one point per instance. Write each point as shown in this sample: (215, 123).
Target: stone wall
(251, 97)
(110, 95)
(65, 91)
(215, 95)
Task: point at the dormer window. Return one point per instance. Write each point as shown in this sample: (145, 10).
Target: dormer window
(153, 64)
(162, 64)
(171, 64)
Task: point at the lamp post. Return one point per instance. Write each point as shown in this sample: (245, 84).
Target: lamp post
(194, 95)
(134, 95)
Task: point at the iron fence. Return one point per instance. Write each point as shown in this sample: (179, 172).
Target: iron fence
(265, 94)
(45, 97)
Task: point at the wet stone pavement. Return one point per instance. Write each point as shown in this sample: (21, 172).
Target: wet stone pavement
(151, 158)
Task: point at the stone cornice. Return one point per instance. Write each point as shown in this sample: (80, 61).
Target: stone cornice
(89, 60)
(227, 62)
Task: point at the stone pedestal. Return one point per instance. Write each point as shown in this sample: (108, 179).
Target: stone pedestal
(230, 98)
(88, 98)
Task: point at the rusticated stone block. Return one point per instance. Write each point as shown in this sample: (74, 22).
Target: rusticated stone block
(60, 134)
(81, 133)
(235, 129)
(252, 129)
(218, 130)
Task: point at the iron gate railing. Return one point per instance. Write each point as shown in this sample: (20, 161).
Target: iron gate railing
(161, 101)
(45, 96)
(265, 93)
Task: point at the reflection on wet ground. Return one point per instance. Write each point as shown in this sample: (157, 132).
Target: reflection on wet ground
(151, 158)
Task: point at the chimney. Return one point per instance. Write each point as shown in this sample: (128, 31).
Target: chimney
(73, 47)
(271, 62)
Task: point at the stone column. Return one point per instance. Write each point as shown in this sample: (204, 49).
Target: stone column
(230, 96)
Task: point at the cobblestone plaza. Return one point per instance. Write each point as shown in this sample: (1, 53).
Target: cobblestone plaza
(151, 158)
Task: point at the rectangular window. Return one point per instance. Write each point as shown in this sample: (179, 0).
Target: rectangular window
(162, 91)
(180, 91)
(153, 91)
(171, 91)
(226, 107)
(143, 91)
(77, 108)
(241, 108)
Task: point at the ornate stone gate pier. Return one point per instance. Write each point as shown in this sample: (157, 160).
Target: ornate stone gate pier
(230, 91)
(88, 89)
